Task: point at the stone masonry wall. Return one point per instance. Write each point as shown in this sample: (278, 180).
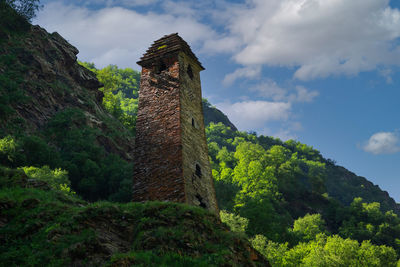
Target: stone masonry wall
(171, 153)
(199, 186)
(158, 147)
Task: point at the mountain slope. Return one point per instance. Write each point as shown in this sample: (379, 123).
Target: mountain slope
(341, 184)
(212, 114)
(51, 113)
(50, 80)
(44, 227)
(345, 185)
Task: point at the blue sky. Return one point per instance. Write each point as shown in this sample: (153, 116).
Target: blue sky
(323, 72)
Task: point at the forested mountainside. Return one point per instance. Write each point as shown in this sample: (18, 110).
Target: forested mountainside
(66, 142)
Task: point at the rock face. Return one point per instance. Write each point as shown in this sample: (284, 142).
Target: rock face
(171, 161)
(53, 81)
(55, 61)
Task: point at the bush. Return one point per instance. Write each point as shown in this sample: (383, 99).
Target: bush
(57, 179)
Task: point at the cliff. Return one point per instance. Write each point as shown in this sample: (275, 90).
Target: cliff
(40, 77)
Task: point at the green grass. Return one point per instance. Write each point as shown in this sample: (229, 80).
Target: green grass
(54, 228)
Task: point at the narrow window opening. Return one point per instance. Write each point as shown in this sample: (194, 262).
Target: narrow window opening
(161, 67)
(198, 170)
(193, 124)
(190, 72)
(200, 199)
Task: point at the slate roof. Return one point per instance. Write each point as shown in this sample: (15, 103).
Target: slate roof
(168, 44)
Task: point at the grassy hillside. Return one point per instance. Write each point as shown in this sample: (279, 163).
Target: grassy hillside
(40, 226)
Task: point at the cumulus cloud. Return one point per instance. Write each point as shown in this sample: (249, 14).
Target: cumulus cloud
(126, 3)
(303, 95)
(117, 35)
(383, 143)
(221, 44)
(250, 115)
(283, 134)
(246, 72)
(277, 107)
(318, 37)
(387, 74)
(271, 90)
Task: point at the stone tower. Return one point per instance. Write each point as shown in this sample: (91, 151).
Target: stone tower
(171, 155)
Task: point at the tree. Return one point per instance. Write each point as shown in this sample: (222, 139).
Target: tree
(120, 92)
(308, 227)
(235, 222)
(274, 252)
(26, 8)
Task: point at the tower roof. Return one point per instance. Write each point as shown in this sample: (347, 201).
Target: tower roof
(168, 44)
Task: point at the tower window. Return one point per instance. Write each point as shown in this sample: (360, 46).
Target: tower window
(193, 124)
(200, 199)
(198, 170)
(161, 67)
(189, 71)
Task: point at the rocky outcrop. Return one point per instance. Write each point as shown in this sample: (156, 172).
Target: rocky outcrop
(52, 81)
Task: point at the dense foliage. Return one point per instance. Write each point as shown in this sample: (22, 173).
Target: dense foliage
(120, 92)
(67, 144)
(275, 192)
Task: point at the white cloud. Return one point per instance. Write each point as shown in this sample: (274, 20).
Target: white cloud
(387, 74)
(383, 143)
(283, 134)
(117, 35)
(253, 115)
(250, 115)
(303, 95)
(318, 37)
(222, 44)
(133, 3)
(125, 3)
(178, 8)
(246, 72)
(269, 89)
